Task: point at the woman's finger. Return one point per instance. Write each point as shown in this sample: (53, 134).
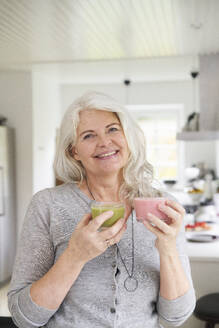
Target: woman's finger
(97, 222)
(171, 213)
(119, 235)
(115, 239)
(176, 206)
(112, 231)
(152, 228)
(160, 224)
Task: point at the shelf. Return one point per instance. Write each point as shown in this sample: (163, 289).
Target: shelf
(198, 135)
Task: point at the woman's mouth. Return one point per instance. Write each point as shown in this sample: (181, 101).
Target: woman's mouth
(107, 155)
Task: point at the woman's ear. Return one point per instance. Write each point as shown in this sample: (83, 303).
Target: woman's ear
(73, 153)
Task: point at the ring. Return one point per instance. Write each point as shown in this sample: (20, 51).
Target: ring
(108, 244)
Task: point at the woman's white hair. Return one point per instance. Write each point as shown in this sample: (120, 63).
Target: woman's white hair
(138, 173)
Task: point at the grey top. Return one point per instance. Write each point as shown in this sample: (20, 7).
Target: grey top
(97, 299)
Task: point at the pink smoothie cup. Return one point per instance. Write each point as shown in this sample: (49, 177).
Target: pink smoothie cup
(143, 206)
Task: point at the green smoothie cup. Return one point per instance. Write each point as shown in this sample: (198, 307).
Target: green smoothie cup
(99, 207)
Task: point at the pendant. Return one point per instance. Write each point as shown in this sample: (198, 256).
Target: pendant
(131, 284)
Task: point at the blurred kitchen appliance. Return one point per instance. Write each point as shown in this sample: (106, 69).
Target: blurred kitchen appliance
(216, 202)
(206, 213)
(7, 202)
(191, 173)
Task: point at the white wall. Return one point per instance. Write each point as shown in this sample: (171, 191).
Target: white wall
(201, 151)
(31, 104)
(115, 71)
(16, 105)
(173, 92)
(154, 81)
(46, 119)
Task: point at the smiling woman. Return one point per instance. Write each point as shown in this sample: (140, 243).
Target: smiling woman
(90, 110)
(101, 146)
(75, 270)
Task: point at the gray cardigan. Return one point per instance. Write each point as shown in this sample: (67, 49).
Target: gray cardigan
(97, 299)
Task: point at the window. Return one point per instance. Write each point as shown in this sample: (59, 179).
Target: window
(160, 124)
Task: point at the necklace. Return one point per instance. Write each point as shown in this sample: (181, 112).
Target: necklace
(130, 283)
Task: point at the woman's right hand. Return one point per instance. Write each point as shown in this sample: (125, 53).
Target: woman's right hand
(87, 242)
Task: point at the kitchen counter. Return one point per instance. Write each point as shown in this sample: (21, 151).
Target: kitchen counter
(4, 311)
(204, 251)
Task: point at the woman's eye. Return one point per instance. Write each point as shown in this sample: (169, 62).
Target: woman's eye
(113, 129)
(88, 136)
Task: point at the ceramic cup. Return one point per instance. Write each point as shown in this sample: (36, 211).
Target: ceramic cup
(143, 206)
(99, 207)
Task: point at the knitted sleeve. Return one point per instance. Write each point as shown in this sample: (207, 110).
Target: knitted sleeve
(35, 256)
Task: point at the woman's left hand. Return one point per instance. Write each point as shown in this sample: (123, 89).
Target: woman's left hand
(166, 233)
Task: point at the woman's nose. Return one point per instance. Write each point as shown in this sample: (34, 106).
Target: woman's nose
(104, 140)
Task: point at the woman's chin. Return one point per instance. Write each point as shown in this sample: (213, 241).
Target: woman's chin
(108, 169)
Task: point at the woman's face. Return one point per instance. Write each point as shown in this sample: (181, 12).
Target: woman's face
(101, 144)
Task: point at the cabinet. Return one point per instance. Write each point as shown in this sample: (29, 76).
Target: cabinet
(197, 135)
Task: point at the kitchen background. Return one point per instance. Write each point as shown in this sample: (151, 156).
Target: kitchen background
(147, 55)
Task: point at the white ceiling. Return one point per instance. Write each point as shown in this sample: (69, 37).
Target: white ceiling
(44, 31)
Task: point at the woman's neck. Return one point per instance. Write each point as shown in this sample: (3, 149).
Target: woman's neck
(103, 189)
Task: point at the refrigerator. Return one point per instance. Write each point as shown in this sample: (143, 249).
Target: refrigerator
(7, 203)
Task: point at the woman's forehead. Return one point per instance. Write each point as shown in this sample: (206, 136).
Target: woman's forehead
(87, 117)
